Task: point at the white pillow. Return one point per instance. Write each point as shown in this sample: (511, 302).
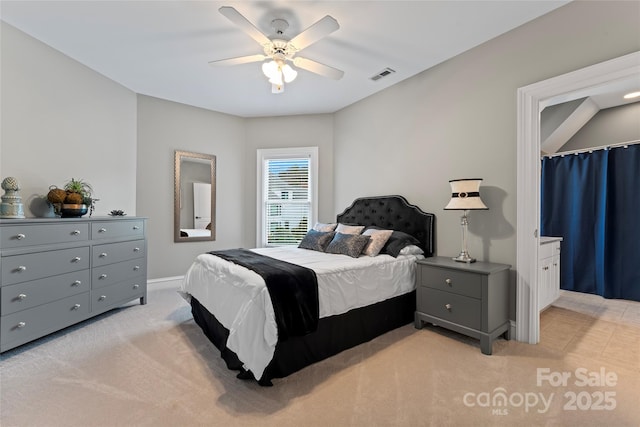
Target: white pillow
(377, 241)
(320, 226)
(411, 250)
(349, 229)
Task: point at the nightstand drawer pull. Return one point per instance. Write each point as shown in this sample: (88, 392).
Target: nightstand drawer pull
(447, 306)
(448, 282)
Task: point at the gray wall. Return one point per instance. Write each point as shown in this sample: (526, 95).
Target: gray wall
(458, 120)
(163, 127)
(61, 120)
(608, 126)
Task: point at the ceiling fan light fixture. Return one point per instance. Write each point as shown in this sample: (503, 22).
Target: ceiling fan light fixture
(289, 73)
(276, 79)
(270, 69)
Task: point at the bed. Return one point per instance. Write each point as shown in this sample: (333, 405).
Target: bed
(226, 303)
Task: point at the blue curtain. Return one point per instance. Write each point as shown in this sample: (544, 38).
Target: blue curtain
(592, 201)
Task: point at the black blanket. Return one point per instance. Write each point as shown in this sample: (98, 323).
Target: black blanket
(293, 290)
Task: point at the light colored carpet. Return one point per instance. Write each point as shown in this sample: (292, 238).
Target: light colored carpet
(151, 366)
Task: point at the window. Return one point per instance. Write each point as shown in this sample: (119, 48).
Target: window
(287, 195)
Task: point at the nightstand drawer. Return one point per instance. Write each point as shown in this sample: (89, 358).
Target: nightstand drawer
(459, 282)
(451, 307)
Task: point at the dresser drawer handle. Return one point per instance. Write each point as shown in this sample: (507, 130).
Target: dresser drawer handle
(75, 232)
(76, 259)
(102, 276)
(136, 268)
(136, 249)
(20, 236)
(103, 255)
(76, 307)
(135, 227)
(22, 296)
(21, 268)
(102, 298)
(136, 286)
(102, 230)
(448, 282)
(21, 324)
(76, 283)
(447, 306)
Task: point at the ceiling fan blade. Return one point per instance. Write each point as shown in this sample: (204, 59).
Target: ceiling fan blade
(242, 22)
(318, 68)
(239, 60)
(320, 29)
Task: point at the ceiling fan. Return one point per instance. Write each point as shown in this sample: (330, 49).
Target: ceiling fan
(278, 51)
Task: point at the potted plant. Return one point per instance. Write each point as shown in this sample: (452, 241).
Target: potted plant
(74, 199)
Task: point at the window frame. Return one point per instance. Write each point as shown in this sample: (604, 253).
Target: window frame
(265, 154)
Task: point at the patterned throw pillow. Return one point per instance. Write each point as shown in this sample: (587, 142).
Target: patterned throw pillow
(349, 229)
(348, 244)
(320, 226)
(377, 242)
(316, 240)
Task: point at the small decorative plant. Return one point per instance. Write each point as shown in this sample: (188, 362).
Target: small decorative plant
(75, 192)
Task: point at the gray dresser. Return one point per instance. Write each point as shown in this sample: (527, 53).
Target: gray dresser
(471, 299)
(61, 271)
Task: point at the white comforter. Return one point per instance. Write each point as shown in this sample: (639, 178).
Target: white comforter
(239, 299)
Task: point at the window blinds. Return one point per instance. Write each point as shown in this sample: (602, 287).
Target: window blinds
(287, 200)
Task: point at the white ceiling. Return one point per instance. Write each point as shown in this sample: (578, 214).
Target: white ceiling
(162, 48)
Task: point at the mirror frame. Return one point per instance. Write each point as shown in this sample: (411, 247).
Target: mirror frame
(179, 156)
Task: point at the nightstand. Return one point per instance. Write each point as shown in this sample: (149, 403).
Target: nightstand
(471, 299)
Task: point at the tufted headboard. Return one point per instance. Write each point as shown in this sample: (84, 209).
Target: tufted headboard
(394, 213)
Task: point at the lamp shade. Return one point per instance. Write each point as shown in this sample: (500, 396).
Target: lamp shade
(465, 195)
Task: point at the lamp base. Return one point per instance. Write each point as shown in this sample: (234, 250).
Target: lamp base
(464, 257)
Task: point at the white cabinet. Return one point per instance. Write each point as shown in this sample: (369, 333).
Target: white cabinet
(549, 271)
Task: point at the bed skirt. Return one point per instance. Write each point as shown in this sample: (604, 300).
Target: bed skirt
(334, 334)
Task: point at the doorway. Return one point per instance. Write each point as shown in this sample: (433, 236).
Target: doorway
(531, 100)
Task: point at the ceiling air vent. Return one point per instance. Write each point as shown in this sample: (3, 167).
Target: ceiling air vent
(383, 73)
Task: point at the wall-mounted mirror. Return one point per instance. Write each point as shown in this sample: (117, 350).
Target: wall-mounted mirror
(194, 197)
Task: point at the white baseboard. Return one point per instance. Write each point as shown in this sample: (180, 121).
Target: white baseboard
(165, 279)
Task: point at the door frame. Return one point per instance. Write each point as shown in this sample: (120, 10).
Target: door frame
(532, 99)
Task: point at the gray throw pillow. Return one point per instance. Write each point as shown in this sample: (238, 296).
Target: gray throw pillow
(316, 240)
(348, 244)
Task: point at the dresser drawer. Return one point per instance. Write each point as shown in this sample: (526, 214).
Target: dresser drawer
(455, 308)
(26, 325)
(19, 236)
(116, 228)
(459, 282)
(113, 273)
(37, 292)
(37, 265)
(108, 297)
(116, 252)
